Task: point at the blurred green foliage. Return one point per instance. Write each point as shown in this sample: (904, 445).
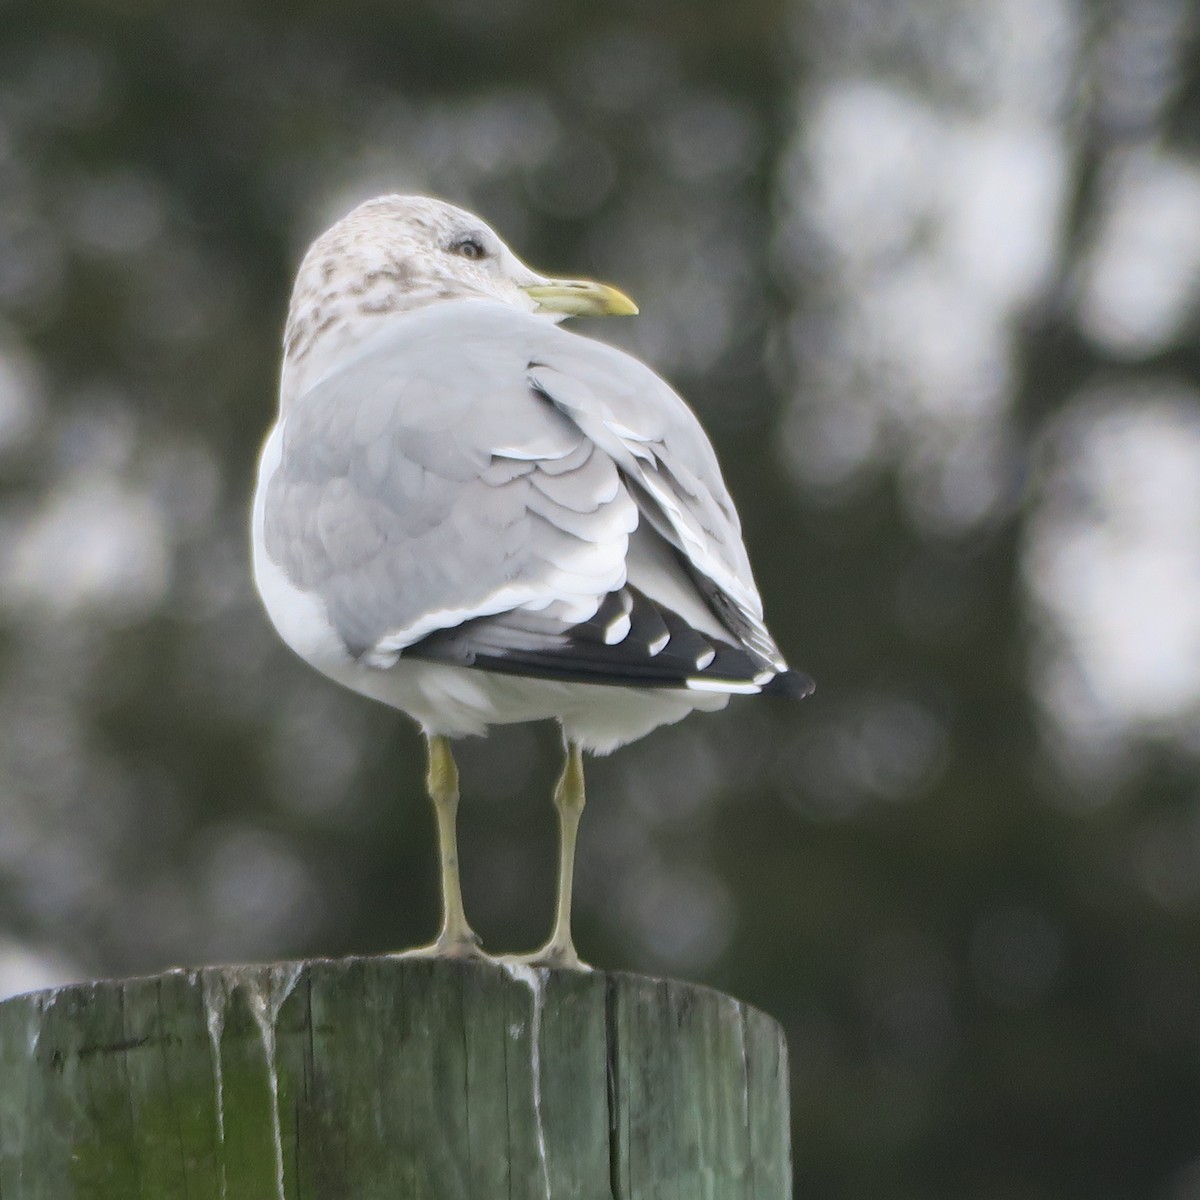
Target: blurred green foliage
(974, 910)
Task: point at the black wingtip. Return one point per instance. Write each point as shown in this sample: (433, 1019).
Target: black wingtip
(790, 685)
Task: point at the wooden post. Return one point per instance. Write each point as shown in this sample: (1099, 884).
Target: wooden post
(404, 1079)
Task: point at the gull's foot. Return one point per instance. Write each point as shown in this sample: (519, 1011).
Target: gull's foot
(465, 949)
(562, 958)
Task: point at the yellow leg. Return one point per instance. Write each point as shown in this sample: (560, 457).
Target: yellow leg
(457, 939)
(569, 799)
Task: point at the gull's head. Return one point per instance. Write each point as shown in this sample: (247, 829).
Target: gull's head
(395, 254)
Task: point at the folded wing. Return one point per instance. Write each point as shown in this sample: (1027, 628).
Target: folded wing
(481, 488)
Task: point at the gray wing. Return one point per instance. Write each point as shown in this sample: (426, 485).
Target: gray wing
(448, 496)
(422, 485)
(670, 467)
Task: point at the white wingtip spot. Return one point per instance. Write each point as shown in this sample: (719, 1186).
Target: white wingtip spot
(738, 687)
(617, 630)
(659, 644)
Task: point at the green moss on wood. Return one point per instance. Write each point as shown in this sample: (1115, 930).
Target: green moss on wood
(366, 1079)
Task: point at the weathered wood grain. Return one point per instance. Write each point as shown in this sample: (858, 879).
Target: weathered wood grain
(366, 1079)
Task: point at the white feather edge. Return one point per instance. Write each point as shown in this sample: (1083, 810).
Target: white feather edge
(630, 449)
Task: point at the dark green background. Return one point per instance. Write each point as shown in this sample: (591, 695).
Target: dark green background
(984, 991)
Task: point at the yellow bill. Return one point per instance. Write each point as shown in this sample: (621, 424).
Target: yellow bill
(580, 298)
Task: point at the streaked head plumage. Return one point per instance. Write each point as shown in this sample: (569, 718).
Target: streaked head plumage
(394, 254)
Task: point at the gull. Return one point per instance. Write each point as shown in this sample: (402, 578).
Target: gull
(477, 517)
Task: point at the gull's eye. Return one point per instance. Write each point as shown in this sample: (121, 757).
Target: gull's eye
(469, 247)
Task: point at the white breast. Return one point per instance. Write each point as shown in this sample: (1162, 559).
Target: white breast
(299, 616)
